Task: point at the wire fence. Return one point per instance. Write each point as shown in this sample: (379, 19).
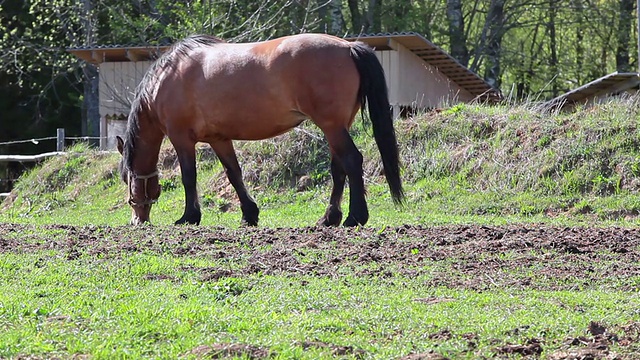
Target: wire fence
(37, 141)
(33, 141)
(8, 177)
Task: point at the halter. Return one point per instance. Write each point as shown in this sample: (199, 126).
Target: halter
(134, 177)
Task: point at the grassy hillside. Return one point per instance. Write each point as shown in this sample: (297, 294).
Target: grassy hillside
(467, 163)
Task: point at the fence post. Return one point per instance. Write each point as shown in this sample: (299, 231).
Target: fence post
(103, 133)
(60, 141)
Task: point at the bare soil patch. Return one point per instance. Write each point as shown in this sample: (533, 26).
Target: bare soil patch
(466, 257)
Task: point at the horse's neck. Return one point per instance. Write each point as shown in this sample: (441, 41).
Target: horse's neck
(147, 148)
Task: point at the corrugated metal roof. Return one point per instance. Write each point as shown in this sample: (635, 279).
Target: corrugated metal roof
(436, 57)
(610, 84)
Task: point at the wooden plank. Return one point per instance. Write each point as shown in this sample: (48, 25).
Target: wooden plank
(102, 88)
(97, 57)
(393, 45)
(104, 133)
(618, 87)
(121, 85)
(134, 54)
(394, 79)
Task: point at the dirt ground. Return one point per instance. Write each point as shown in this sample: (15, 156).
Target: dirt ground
(464, 257)
(470, 257)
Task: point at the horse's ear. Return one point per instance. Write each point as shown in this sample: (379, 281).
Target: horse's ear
(120, 145)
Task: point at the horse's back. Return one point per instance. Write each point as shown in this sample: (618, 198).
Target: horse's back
(321, 73)
(259, 90)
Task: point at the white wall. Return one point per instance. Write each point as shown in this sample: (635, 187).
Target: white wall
(414, 83)
(118, 81)
(425, 86)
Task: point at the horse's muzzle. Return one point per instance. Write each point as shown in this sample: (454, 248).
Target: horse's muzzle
(139, 219)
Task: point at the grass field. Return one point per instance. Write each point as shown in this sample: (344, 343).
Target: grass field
(518, 239)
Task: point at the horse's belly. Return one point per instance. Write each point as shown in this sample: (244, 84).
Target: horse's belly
(256, 127)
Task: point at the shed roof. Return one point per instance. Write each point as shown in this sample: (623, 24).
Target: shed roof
(117, 53)
(436, 57)
(610, 84)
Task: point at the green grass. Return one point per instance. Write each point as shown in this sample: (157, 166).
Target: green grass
(288, 208)
(155, 306)
(465, 165)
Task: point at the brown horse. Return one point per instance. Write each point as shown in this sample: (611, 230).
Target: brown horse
(205, 90)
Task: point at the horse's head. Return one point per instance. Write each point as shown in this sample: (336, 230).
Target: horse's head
(144, 189)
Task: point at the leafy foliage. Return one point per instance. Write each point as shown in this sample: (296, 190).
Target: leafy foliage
(543, 49)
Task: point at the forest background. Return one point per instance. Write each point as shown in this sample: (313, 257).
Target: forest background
(531, 50)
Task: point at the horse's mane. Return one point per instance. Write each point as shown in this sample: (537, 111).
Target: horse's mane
(167, 60)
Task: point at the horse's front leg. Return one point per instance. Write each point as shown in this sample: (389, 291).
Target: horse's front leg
(333, 215)
(187, 159)
(227, 155)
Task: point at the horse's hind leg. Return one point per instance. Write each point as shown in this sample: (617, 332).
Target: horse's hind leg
(333, 215)
(187, 158)
(347, 155)
(227, 156)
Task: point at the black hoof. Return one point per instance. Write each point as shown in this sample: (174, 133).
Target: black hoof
(351, 221)
(249, 222)
(191, 220)
(250, 214)
(330, 219)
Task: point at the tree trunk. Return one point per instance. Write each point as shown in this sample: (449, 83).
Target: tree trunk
(399, 10)
(356, 18)
(577, 4)
(457, 38)
(521, 78)
(553, 60)
(624, 35)
(535, 50)
(322, 15)
(374, 17)
(91, 100)
(495, 19)
(431, 13)
(480, 47)
(337, 21)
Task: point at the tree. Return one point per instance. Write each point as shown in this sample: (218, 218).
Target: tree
(457, 37)
(538, 47)
(495, 19)
(626, 8)
(356, 17)
(330, 14)
(397, 15)
(579, 46)
(39, 78)
(553, 58)
(91, 99)
(374, 17)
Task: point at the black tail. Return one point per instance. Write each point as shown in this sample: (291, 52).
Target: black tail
(373, 92)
